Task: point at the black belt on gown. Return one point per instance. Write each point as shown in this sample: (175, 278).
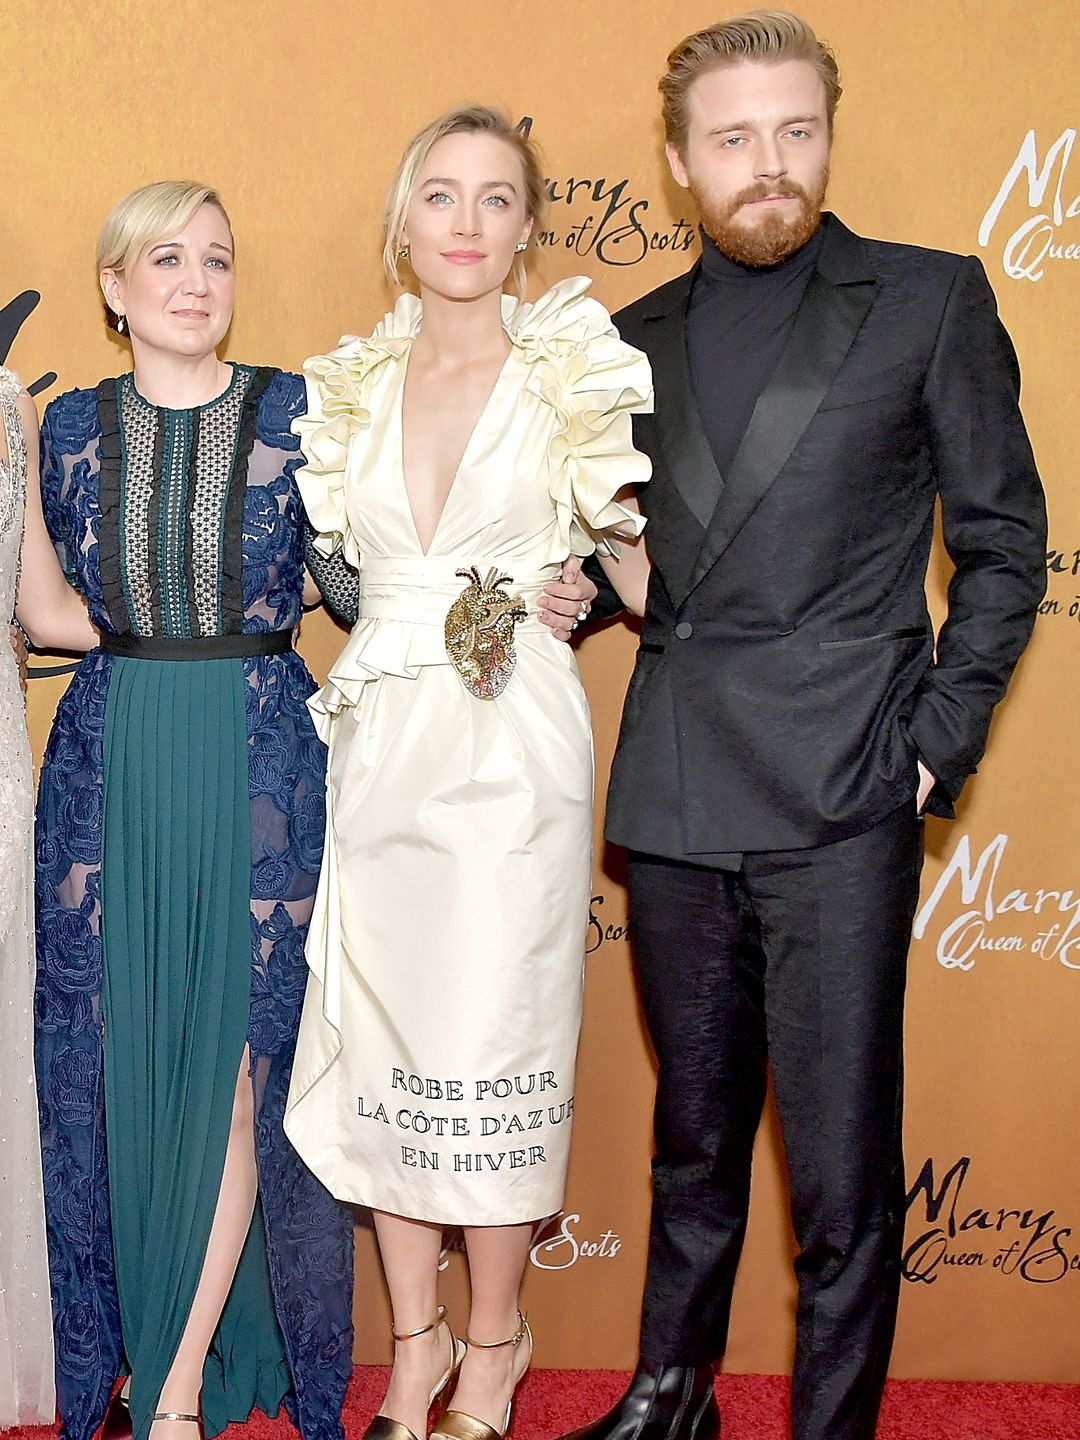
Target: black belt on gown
(197, 647)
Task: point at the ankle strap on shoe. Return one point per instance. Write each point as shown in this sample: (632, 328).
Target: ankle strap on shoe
(172, 1415)
(515, 1339)
(440, 1316)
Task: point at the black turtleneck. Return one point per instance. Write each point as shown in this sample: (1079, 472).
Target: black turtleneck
(737, 323)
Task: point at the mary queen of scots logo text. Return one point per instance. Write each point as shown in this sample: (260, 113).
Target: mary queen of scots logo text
(972, 913)
(1044, 234)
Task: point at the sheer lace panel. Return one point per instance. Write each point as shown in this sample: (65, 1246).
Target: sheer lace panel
(139, 424)
(335, 577)
(273, 548)
(219, 427)
(172, 531)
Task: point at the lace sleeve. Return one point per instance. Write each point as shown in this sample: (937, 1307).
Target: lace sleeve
(52, 480)
(335, 577)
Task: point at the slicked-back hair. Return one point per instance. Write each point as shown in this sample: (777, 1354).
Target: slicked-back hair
(766, 36)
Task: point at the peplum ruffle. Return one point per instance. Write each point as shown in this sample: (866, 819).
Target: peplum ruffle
(374, 648)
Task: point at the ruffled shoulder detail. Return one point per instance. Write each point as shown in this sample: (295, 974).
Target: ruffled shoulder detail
(337, 387)
(563, 316)
(594, 382)
(110, 466)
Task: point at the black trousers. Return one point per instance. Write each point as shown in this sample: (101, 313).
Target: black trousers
(798, 959)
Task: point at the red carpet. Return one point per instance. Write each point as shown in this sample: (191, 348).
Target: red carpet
(754, 1406)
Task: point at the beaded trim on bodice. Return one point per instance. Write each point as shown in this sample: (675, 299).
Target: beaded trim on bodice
(13, 471)
(16, 781)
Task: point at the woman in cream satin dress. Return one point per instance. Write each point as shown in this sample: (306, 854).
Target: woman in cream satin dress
(434, 1074)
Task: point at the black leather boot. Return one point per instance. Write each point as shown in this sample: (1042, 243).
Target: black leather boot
(675, 1402)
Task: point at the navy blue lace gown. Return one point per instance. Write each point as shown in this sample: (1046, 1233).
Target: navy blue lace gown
(180, 826)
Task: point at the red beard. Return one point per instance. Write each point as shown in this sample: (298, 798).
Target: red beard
(774, 236)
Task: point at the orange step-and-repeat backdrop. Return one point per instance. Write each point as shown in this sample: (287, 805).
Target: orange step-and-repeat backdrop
(957, 129)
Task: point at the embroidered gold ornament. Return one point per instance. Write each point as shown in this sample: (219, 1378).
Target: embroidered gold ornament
(479, 632)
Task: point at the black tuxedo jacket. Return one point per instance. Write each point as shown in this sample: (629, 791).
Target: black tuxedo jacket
(786, 681)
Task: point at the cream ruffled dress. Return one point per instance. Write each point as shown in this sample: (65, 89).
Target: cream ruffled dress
(434, 1073)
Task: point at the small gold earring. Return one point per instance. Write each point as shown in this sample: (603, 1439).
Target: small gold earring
(403, 252)
(119, 324)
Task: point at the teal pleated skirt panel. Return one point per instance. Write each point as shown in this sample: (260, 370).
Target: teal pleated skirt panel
(177, 946)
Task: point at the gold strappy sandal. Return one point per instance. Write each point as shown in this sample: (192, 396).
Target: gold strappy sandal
(455, 1424)
(382, 1427)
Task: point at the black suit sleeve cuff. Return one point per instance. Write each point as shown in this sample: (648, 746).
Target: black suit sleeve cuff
(939, 802)
(607, 603)
(948, 782)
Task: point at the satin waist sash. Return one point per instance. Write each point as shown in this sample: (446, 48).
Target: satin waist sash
(420, 590)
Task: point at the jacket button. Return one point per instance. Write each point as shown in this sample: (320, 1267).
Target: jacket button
(684, 630)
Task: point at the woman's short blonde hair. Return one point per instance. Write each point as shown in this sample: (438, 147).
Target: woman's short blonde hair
(770, 36)
(146, 217)
(467, 120)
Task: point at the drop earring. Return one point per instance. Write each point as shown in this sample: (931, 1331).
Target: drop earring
(119, 324)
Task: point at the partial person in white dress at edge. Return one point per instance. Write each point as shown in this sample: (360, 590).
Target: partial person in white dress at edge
(459, 454)
(55, 618)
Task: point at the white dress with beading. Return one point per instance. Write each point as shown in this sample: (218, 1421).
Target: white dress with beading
(26, 1355)
(434, 1072)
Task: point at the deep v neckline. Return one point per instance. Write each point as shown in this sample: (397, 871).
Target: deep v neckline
(481, 417)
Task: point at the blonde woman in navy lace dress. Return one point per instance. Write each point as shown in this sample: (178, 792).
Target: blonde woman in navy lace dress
(179, 840)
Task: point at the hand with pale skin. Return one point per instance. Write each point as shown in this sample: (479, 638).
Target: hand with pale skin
(563, 601)
(18, 645)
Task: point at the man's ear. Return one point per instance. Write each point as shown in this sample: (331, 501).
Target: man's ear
(677, 164)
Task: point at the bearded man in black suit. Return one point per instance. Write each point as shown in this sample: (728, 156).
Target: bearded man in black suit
(788, 718)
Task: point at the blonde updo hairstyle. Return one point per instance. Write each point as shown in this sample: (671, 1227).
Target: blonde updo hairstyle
(148, 216)
(463, 120)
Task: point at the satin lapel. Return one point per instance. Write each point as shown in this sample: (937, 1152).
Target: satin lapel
(825, 325)
(678, 426)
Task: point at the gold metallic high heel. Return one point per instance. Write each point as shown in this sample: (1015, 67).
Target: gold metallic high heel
(456, 1424)
(382, 1427)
